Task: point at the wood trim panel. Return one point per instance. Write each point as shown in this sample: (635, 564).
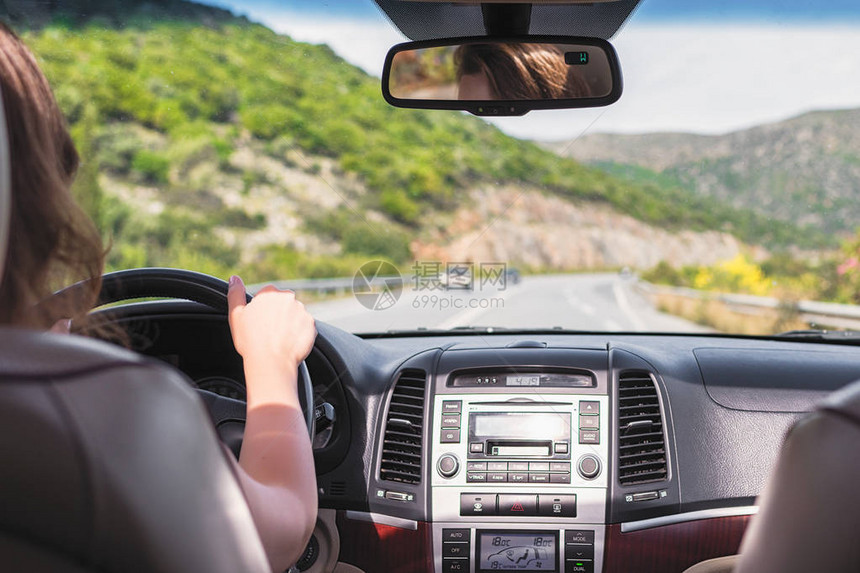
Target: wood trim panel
(376, 548)
(385, 549)
(672, 548)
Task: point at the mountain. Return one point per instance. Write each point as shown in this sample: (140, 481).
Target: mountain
(805, 169)
(213, 143)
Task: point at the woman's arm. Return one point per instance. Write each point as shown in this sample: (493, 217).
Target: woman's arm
(274, 333)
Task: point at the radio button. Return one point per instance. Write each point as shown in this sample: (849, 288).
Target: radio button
(559, 478)
(456, 535)
(588, 408)
(497, 477)
(589, 437)
(476, 466)
(497, 466)
(588, 466)
(539, 478)
(476, 447)
(521, 505)
(589, 422)
(561, 448)
(452, 406)
(557, 505)
(518, 477)
(559, 467)
(475, 477)
(539, 466)
(518, 466)
(450, 437)
(450, 549)
(448, 465)
(477, 504)
(453, 421)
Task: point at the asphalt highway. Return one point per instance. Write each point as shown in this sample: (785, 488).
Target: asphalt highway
(590, 302)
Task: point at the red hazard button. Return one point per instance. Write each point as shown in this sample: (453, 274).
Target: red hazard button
(517, 504)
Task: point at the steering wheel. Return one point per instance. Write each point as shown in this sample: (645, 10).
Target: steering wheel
(188, 285)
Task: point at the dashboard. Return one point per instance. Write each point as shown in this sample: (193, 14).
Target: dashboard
(559, 452)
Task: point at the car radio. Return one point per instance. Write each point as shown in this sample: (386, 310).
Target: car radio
(545, 439)
(537, 435)
(520, 472)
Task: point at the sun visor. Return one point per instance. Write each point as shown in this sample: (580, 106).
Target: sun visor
(5, 189)
(430, 20)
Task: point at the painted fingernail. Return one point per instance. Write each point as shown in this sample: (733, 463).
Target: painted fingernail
(234, 280)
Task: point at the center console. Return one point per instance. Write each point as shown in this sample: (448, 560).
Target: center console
(519, 466)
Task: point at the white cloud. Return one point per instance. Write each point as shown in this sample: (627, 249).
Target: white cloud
(363, 43)
(702, 78)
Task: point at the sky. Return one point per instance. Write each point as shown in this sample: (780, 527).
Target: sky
(688, 66)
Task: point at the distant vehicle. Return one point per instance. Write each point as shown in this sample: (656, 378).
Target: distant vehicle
(457, 277)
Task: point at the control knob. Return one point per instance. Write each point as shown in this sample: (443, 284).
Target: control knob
(448, 465)
(588, 466)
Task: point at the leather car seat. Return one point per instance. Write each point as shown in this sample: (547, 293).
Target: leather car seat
(809, 514)
(110, 463)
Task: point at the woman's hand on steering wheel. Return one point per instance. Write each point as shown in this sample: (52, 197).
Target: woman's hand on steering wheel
(273, 333)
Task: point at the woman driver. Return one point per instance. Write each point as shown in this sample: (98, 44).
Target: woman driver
(52, 243)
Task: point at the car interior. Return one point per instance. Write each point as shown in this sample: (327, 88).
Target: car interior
(464, 450)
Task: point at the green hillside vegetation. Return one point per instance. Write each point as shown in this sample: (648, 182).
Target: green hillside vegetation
(152, 100)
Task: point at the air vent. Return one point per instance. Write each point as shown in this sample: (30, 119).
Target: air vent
(337, 488)
(641, 442)
(401, 446)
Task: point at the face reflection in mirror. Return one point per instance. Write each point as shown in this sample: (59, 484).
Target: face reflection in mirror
(515, 71)
(475, 87)
(491, 70)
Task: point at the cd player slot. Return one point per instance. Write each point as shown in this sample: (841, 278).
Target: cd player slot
(523, 402)
(519, 448)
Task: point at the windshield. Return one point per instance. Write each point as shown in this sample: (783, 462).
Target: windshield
(720, 194)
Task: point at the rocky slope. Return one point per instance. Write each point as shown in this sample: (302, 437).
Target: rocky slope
(535, 230)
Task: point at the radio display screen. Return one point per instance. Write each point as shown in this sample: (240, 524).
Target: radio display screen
(517, 551)
(520, 380)
(521, 425)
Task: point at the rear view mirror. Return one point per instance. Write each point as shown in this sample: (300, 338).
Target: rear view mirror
(493, 76)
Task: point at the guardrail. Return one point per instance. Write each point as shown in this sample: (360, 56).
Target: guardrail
(821, 314)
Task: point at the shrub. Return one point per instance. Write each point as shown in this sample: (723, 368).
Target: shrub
(361, 239)
(151, 166)
(397, 204)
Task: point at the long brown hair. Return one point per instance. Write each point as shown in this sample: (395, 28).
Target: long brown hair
(52, 242)
(518, 71)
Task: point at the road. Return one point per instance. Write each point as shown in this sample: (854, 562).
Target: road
(577, 302)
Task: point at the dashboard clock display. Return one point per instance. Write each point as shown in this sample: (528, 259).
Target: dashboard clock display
(520, 380)
(517, 551)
